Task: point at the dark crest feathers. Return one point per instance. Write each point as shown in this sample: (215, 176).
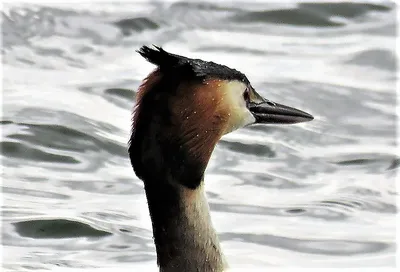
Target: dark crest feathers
(168, 62)
(160, 57)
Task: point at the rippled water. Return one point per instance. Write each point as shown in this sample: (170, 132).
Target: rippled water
(315, 194)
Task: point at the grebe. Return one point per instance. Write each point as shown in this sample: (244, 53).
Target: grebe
(183, 108)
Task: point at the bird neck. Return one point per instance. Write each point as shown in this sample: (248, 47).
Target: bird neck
(183, 233)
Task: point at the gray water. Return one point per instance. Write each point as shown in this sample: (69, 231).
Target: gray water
(318, 194)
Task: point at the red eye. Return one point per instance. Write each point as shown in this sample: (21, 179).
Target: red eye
(246, 95)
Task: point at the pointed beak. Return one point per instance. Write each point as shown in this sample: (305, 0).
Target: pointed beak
(267, 112)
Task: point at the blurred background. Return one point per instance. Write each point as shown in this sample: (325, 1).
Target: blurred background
(318, 194)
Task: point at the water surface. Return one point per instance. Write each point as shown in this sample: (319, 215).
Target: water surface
(319, 194)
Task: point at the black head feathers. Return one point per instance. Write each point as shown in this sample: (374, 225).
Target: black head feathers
(162, 58)
(171, 63)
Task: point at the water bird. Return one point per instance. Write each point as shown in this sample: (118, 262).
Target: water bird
(182, 109)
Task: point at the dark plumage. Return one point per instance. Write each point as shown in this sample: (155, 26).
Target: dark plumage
(182, 110)
(170, 63)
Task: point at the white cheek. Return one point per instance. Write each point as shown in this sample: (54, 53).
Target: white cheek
(240, 116)
(248, 119)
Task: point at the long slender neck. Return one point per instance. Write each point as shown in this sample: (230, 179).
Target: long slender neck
(183, 233)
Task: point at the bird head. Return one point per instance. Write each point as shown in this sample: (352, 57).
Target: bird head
(185, 106)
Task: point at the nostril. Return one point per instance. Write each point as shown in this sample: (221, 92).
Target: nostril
(271, 103)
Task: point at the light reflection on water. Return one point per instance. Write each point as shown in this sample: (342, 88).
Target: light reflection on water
(317, 194)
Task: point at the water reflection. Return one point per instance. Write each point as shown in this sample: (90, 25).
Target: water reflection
(291, 193)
